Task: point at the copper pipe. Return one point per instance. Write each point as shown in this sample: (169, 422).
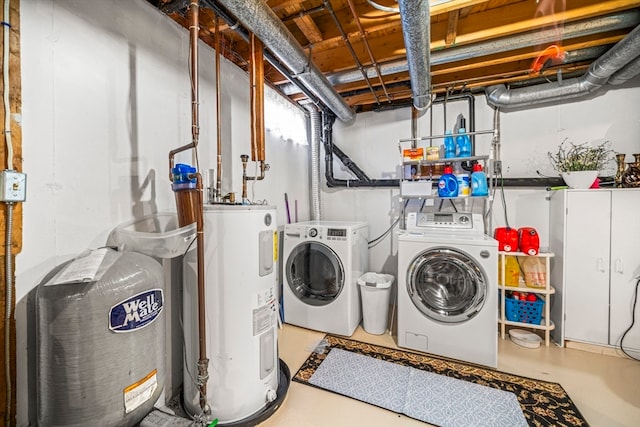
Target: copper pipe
(203, 362)
(244, 158)
(194, 29)
(218, 195)
(256, 81)
(374, 63)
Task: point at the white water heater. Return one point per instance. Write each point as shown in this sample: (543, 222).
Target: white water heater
(241, 322)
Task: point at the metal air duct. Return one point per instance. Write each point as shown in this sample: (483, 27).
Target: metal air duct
(627, 72)
(622, 53)
(258, 18)
(416, 24)
(460, 53)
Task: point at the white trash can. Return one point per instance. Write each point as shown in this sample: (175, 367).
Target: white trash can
(375, 290)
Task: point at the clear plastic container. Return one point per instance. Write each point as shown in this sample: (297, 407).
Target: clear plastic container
(156, 235)
(535, 272)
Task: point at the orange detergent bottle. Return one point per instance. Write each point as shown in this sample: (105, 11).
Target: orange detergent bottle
(511, 271)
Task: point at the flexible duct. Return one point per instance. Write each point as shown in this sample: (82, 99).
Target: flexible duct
(596, 76)
(449, 55)
(315, 120)
(416, 23)
(258, 18)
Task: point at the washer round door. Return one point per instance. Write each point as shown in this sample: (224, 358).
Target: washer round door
(315, 273)
(447, 285)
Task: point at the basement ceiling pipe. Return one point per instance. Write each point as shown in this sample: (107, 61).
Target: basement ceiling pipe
(416, 25)
(578, 29)
(622, 53)
(258, 18)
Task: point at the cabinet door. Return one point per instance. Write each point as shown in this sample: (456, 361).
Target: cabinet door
(625, 266)
(587, 266)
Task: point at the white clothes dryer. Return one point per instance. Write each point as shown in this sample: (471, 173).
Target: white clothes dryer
(448, 288)
(322, 263)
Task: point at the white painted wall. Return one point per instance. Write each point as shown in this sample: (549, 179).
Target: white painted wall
(106, 96)
(526, 138)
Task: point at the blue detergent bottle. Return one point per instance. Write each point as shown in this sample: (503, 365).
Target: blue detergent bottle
(479, 181)
(463, 142)
(448, 183)
(449, 145)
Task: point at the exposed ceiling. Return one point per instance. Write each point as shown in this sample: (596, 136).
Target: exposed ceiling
(474, 44)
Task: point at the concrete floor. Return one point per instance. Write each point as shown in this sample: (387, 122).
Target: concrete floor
(605, 388)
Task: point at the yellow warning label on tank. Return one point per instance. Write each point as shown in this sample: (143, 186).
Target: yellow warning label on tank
(139, 392)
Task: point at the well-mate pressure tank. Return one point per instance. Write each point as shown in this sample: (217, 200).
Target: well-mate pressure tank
(241, 302)
(100, 343)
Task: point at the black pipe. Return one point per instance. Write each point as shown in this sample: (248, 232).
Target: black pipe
(363, 180)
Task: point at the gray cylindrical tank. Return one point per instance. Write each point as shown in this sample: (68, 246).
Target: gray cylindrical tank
(100, 353)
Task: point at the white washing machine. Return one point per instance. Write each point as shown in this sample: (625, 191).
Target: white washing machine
(322, 263)
(448, 287)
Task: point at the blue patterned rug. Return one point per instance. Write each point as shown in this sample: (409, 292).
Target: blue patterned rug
(435, 390)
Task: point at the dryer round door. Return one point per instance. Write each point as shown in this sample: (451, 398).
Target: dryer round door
(315, 273)
(446, 285)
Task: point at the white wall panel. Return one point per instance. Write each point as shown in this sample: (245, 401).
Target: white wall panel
(106, 96)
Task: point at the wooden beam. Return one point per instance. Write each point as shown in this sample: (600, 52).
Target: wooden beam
(452, 28)
(516, 18)
(309, 28)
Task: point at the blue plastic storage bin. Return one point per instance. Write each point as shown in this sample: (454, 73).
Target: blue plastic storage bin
(523, 311)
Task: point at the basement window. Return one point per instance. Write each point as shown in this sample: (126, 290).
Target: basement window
(283, 120)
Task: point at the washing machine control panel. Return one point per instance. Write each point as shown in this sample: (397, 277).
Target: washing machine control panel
(446, 220)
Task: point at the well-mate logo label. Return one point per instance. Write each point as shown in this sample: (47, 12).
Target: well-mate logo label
(136, 312)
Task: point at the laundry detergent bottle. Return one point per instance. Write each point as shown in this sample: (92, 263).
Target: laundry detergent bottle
(463, 142)
(479, 181)
(449, 145)
(464, 185)
(448, 183)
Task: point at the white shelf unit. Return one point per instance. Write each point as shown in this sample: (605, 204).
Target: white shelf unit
(545, 293)
(485, 161)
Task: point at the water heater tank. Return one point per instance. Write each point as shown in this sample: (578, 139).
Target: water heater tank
(241, 319)
(100, 352)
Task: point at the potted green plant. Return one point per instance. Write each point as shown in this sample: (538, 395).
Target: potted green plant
(579, 164)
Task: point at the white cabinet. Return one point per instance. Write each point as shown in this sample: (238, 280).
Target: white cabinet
(596, 237)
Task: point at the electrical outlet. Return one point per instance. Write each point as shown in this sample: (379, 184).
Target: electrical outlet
(13, 186)
(497, 167)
